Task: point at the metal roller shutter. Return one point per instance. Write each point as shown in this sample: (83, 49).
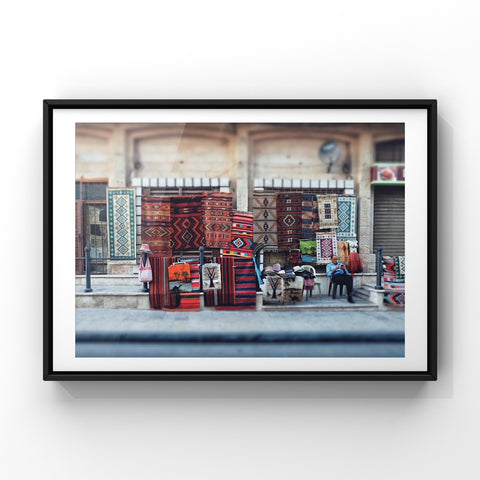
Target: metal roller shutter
(389, 219)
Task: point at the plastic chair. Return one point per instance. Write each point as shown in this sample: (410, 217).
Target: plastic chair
(311, 269)
(334, 285)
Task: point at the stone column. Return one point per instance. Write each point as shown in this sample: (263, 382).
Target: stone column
(242, 164)
(366, 157)
(118, 178)
(118, 158)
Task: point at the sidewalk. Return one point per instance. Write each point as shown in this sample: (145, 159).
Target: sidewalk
(130, 332)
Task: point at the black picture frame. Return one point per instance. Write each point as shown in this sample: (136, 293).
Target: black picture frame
(51, 107)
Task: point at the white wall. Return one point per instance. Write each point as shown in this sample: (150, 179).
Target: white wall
(249, 49)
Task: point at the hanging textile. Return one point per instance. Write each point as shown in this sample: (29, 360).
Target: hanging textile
(159, 292)
(310, 223)
(289, 220)
(327, 211)
(342, 251)
(245, 284)
(265, 220)
(187, 222)
(242, 235)
(326, 247)
(217, 222)
(121, 223)
(156, 228)
(347, 216)
(211, 276)
(274, 287)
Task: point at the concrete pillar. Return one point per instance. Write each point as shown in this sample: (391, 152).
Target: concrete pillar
(366, 158)
(242, 163)
(118, 158)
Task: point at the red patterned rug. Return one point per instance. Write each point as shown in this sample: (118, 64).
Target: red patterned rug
(187, 222)
(156, 230)
(242, 235)
(189, 302)
(217, 222)
(289, 220)
(245, 284)
(160, 295)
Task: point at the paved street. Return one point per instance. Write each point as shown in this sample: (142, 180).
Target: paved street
(210, 333)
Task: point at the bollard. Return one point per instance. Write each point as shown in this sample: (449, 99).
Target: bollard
(202, 261)
(88, 288)
(379, 286)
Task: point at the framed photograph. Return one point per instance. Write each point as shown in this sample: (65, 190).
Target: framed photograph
(240, 240)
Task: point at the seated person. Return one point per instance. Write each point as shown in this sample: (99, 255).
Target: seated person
(340, 276)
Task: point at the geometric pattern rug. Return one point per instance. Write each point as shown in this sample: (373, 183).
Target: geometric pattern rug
(327, 211)
(156, 230)
(326, 247)
(216, 211)
(121, 223)
(347, 216)
(187, 222)
(309, 216)
(242, 235)
(289, 220)
(265, 220)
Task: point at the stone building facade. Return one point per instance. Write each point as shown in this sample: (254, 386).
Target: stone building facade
(242, 159)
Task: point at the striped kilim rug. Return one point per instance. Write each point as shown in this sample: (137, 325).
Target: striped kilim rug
(187, 222)
(289, 220)
(156, 228)
(326, 247)
(121, 223)
(160, 296)
(347, 216)
(309, 216)
(242, 235)
(189, 302)
(327, 211)
(245, 284)
(265, 220)
(217, 221)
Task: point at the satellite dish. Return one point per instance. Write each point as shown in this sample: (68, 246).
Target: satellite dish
(329, 153)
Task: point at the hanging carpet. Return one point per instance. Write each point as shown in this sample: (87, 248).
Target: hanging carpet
(156, 229)
(327, 211)
(217, 221)
(326, 247)
(245, 284)
(241, 244)
(310, 223)
(187, 222)
(265, 220)
(160, 294)
(289, 220)
(347, 216)
(121, 223)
